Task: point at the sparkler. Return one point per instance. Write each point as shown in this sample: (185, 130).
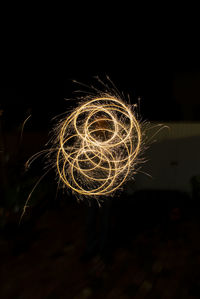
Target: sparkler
(96, 147)
(99, 143)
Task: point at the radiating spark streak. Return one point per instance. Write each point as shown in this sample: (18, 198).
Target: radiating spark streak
(158, 131)
(34, 157)
(98, 146)
(147, 174)
(22, 129)
(30, 194)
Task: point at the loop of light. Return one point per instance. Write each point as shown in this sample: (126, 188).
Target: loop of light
(98, 146)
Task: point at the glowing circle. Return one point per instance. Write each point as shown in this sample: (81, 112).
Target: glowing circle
(98, 146)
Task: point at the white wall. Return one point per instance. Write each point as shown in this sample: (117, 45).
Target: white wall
(172, 160)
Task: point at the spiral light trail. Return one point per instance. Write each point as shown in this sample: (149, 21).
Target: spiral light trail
(99, 143)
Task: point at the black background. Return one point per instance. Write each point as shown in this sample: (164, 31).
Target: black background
(38, 63)
(36, 78)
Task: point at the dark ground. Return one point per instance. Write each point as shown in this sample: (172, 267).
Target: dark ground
(154, 251)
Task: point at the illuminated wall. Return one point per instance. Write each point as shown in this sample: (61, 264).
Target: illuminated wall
(173, 159)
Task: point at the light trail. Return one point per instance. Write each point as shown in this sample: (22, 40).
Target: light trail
(98, 146)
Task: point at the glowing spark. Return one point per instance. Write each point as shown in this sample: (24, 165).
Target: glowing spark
(99, 143)
(95, 149)
(22, 129)
(26, 203)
